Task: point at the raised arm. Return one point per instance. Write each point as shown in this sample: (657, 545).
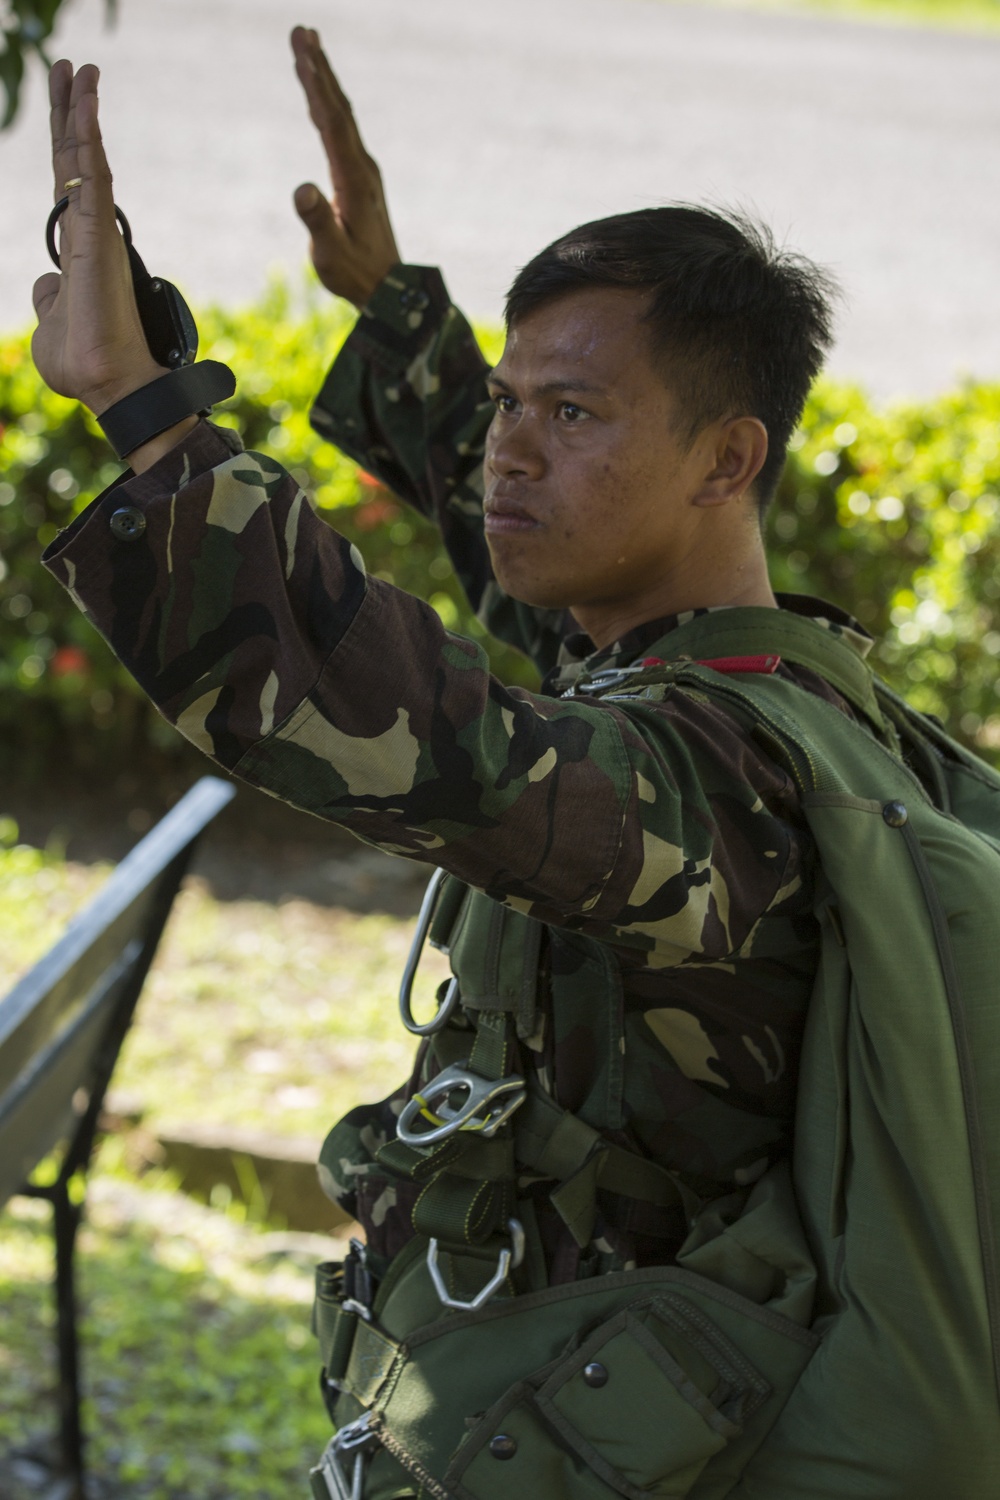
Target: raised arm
(407, 396)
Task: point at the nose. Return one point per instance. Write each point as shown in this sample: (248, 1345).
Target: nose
(513, 449)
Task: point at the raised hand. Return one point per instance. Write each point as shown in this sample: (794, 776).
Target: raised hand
(353, 246)
(89, 342)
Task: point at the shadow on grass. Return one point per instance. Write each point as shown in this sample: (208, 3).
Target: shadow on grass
(199, 1369)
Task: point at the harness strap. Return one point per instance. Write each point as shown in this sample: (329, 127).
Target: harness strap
(454, 894)
(735, 632)
(556, 1143)
(495, 950)
(470, 1184)
(356, 1356)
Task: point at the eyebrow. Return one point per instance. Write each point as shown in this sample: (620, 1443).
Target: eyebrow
(549, 387)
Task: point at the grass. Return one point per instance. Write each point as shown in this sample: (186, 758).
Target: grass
(39, 893)
(953, 15)
(199, 1366)
(277, 1017)
(200, 1370)
(281, 1015)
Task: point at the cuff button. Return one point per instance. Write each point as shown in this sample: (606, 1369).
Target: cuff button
(128, 523)
(414, 298)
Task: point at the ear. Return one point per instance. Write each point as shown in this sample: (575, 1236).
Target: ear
(735, 451)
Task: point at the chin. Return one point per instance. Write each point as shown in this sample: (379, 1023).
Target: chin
(537, 595)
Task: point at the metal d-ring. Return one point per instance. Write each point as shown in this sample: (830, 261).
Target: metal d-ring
(56, 215)
(499, 1097)
(444, 1010)
(507, 1260)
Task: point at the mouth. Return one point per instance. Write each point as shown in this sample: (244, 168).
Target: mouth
(503, 515)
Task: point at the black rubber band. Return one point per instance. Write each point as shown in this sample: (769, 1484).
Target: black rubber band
(189, 391)
(56, 215)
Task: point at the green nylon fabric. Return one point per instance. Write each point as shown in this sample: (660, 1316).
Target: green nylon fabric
(795, 638)
(897, 1192)
(519, 1361)
(495, 949)
(835, 1339)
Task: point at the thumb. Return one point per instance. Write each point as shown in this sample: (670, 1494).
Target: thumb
(314, 210)
(44, 292)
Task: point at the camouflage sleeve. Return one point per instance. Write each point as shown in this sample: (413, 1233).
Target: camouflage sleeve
(254, 628)
(406, 398)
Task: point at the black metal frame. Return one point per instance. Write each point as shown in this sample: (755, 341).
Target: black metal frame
(91, 979)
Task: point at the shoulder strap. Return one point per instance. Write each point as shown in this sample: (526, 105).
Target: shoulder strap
(795, 638)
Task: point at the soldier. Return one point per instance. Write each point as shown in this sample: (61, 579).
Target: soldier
(629, 906)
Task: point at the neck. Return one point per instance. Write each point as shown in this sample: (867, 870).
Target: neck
(717, 583)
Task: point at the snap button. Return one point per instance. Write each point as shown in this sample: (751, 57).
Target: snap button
(595, 1375)
(895, 814)
(413, 297)
(503, 1446)
(128, 524)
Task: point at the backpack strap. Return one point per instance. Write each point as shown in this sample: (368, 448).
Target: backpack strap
(795, 638)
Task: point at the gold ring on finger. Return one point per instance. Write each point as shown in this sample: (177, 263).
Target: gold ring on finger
(72, 183)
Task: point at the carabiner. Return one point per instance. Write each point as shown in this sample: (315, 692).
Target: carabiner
(447, 1005)
(356, 1438)
(499, 1096)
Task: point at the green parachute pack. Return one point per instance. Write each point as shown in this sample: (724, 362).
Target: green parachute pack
(831, 1332)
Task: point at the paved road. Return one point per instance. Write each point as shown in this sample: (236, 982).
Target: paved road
(498, 125)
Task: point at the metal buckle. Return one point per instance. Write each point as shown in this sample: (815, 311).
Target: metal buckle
(507, 1260)
(354, 1439)
(504, 1095)
(598, 682)
(447, 1005)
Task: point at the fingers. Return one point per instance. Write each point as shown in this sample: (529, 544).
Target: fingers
(96, 195)
(353, 246)
(329, 111)
(332, 85)
(63, 150)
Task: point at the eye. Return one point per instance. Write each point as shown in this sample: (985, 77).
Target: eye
(572, 414)
(504, 404)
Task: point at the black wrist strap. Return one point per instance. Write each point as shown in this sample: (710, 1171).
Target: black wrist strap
(185, 392)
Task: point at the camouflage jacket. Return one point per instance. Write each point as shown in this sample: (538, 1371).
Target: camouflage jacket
(660, 829)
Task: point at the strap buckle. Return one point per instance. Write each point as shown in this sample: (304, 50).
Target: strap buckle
(355, 1440)
(506, 1261)
(599, 682)
(499, 1097)
(427, 908)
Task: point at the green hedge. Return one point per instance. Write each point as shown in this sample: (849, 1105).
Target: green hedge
(892, 513)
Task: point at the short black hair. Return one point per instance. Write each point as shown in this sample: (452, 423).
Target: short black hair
(739, 326)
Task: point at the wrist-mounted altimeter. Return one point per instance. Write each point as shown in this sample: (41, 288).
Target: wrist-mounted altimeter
(187, 389)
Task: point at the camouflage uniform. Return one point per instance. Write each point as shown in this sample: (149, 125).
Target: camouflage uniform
(660, 828)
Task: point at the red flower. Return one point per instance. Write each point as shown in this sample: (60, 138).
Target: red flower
(69, 659)
(373, 513)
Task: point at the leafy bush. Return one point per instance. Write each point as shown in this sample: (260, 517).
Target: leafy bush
(894, 515)
(890, 513)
